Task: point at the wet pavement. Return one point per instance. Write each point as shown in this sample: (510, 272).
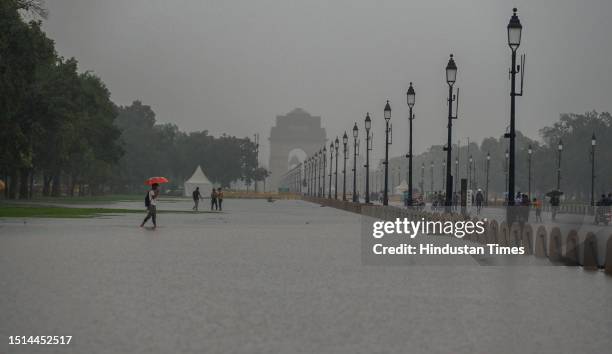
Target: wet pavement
(282, 277)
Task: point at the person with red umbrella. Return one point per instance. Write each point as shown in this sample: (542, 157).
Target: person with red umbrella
(151, 199)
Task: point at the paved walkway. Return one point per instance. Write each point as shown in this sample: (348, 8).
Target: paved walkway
(283, 277)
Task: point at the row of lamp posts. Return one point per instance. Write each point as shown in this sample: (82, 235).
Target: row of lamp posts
(514, 38)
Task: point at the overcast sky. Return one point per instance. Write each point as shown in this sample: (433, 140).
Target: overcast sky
(231, 66)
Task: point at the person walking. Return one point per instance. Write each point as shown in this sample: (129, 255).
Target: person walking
(537, 205)
(554, 205)
(196, 198)
(151, 204)
(479, 200)
(525, 208)
(213, 200)
(219, 199)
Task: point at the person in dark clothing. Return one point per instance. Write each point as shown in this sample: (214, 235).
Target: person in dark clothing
(220, 199)
(479, 200)
(151, 204)
(213, 200)
(554, 206)
(196, 198)
(525, 207)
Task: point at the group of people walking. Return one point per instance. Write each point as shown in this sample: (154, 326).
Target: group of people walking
(216, 199)
(216, 202)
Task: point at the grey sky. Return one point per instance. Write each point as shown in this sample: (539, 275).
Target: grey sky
(232, 66)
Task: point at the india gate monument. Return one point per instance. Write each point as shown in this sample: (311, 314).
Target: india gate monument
(295, 136)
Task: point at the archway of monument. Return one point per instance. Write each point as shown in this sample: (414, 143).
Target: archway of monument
(296, 156)
(295, 136)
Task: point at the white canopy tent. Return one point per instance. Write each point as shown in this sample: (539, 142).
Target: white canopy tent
(198, 179)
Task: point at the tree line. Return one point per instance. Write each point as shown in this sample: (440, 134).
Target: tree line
(60, 133)
(573, 130)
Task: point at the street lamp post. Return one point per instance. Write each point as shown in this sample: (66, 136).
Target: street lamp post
(514, 40)
(456, 179)
(593, 144)
(387, 114)
(432, 177)
(487, 178)
(410, 99)
(331, 167)
(560, 149)
(443, 172)
(344, 142)
(355, 151)
(470, 160)
(529, 152)
(324, 169)
(317, 183)
(506, 173)
(307, 175)
(423, 180)
(451, 78)
(336, 145)
(368, 126)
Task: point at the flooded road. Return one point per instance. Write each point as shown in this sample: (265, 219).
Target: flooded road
(275, 277)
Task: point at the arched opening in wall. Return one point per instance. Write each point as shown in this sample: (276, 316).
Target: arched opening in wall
(295, 157)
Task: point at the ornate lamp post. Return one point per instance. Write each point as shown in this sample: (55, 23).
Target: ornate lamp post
(451, 78)
(456, 178)
(307, 175)
(410, 99)
(443, 173)
(331, 164)
(560, 149)
(506, 173)
(593, 144)
(514, 41)
(317, 173)
(432, 177)
(529, 152)
(423, 180)
(470, 160)
(324, 160)
(344, 142)
(387, 114)
(355, 153)
(487, 182)
(336, 145)
(368, 126)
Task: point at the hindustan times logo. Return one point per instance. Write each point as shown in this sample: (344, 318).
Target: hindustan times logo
(412, 228)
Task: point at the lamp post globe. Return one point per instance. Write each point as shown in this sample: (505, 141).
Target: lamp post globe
(387, 111)
(515, 30)
(355, 131)
(410, 96)
(451, 71)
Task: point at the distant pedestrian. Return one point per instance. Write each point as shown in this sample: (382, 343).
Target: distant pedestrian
(525, 208)
(479, 200)
(151, 204)
(220, 199)
(196, 198)
(213, 200)
(554, 205)
(537, 205)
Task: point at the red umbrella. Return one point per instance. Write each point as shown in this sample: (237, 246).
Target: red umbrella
(158, 180)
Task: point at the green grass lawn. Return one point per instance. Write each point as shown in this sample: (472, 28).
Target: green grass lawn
(91, 199)
(45, 211)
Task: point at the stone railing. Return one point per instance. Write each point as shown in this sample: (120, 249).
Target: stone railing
(589, 250)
